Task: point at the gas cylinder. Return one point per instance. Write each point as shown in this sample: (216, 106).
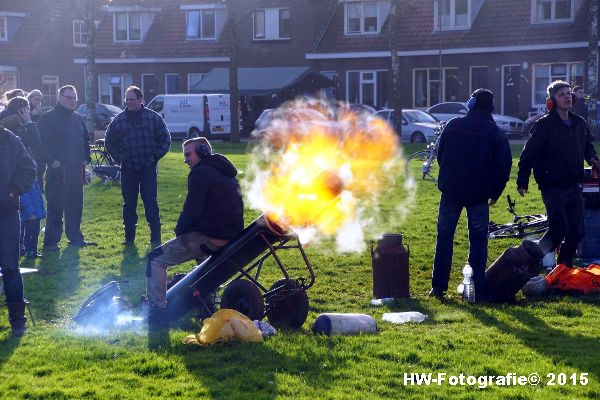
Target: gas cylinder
(390, 267)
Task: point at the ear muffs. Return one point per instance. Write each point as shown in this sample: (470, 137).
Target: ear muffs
(203, 151)
(550, 104)
(471, 102)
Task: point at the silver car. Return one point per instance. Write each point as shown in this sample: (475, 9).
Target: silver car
(417, 125)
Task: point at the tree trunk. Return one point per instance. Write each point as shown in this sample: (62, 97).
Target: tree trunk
(233, 76)
(592, 75)
(91, 83)
(393, 44)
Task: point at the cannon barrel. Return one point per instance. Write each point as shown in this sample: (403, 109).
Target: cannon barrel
(223, 265)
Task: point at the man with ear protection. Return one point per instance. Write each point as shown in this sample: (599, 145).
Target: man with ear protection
(213, 214)
(475, 161)
(558, 144)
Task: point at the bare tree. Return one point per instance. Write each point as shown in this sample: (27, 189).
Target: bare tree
(592, 73)
(234, 97)
(393, 44)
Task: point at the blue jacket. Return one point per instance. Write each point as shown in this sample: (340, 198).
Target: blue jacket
(32, 204)
(474, 158)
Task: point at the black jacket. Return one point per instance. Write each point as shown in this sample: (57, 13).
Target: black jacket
(556, 152)
(214, 205)
(28, 133)
(474, 158)
(17, 171)
(64, 137)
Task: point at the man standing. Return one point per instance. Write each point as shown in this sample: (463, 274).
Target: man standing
(559, 143)
(475, 161)
(580, 107)
(17, 173)
(137, 138)
(213, 213)
(66, 146)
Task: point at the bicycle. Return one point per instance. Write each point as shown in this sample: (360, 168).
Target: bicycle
(523, 226)
(102, 164)
(426, 159)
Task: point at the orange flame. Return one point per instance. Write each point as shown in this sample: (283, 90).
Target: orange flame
(315, 166)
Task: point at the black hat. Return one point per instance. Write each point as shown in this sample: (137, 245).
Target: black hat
(484, 99)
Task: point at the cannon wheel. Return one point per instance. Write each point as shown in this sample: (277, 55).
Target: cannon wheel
(289, 304)
(244, 296)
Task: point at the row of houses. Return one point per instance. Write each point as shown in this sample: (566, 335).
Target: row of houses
(447, 48)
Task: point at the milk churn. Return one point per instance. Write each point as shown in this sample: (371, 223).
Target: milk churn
(390, 267)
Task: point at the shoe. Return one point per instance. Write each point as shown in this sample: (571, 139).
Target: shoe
(33, 255)
(83, 244)
(436, 293)
(50, 248)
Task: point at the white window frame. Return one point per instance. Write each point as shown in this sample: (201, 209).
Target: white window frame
(50, 98)
(128, 14)
(550, 78)
(442, 82)
(452, 26)
(268, 18)
(4, 30)
(362, 80)
(122, 85)
(200, 11)
(189, 76)
(166, 81)
(362, 18)
(471, 88)
(552, 20)
(81, 33)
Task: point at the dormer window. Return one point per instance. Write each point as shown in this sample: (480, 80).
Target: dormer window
(452, 14)
(548, 11)
(3, 29)
(271, 23)
(201, 24)
(128, 26)
(361, 17)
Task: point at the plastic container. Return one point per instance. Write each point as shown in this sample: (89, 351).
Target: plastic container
(404, 317)
(468, 292)
(390, 267)
(535, 286)
(386, 301)
(344, 324)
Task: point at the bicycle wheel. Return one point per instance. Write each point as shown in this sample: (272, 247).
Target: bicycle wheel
(99, 158)
(519, 230)
(422, 164)
(102, 166)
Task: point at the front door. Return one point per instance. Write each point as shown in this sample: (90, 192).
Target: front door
(510, 89)
(149, 87)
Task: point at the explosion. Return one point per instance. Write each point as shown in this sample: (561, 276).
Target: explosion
(318, 168)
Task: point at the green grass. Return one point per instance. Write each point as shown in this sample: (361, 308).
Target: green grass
(555, 334)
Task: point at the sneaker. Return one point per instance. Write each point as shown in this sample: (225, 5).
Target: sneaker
(83, 244)
(436, 293)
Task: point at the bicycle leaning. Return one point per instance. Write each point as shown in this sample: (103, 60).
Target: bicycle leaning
(523, 226)
(102, 164)
(426, 159)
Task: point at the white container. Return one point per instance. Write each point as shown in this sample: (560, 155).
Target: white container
(404, 317)
(386, 301)
(344, 324)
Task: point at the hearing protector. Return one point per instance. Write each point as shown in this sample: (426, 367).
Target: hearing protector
(551, 103)
(471, 102)
(202, 150)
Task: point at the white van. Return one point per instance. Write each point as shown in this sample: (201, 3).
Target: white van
(193, 115)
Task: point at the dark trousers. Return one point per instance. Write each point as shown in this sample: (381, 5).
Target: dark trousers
(64, 196)
(142, 181)
(564, 208)
(9, 257)
(478, 218)
(30, 231)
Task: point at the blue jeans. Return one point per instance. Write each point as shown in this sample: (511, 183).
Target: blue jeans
(9, 257)
(478, 218)
(144, 182)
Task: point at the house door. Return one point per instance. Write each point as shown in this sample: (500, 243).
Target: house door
(510, 89)
(149, 87)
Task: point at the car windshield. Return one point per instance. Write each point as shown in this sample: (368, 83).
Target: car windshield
(418, 116)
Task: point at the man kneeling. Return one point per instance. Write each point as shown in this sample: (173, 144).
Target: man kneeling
(213, 213)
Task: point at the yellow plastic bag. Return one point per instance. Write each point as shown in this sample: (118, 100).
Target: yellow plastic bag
(225, 325)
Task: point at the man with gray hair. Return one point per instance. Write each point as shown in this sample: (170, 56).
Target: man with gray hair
(558, 144)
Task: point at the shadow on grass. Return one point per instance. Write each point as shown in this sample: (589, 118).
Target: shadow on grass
(133, 271)
(7, 348)
(573, 350)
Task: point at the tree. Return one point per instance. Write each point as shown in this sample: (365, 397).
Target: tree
(234, 97)
(592, 73)
(393, 44)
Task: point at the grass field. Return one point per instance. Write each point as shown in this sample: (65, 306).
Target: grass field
(552, 335)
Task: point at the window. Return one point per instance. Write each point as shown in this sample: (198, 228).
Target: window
(3, 29)
(367, 87)
(79, 33)
(452, 14)
(50, 85)
(201, 24)
(171, 83)
(479, 78)
(8, 81)
(544, 11)
(361, 17)
(547, 73)
(128, 26)
(271, 23)
(112, 88)
(428, 89)
(193, 79)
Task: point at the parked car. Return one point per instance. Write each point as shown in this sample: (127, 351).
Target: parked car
(529, 123)
(417, 125)
(104, 114)
(445, 111)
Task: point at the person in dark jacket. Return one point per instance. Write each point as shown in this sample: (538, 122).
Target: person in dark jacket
(475, 161)
(558, 144)
(17, 173)
(137, 138)
(18, 120)
(65, 140)
(213, 214)
(580, 106)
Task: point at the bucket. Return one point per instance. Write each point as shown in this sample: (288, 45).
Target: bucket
(390, 267)
(344, 324)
